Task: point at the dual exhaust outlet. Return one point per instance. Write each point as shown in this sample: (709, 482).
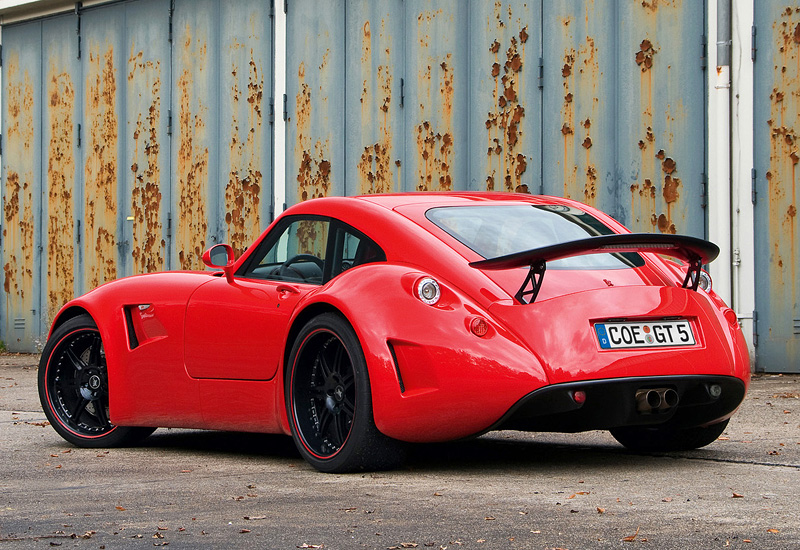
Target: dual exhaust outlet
(656, 400)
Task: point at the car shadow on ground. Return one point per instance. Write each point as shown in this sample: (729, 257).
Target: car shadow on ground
(490, 452)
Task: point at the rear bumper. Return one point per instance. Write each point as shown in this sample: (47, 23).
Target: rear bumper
(612, 403)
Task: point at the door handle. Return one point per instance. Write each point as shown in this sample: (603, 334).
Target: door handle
(283, 290)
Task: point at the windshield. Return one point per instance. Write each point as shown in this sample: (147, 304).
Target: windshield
(498, 230)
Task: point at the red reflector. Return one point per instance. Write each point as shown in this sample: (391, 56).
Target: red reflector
(479, 326)
(730, 316)
(579, 397)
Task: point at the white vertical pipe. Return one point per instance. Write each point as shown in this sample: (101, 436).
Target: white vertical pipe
(719, 158)
(742, 164)
(279, 158)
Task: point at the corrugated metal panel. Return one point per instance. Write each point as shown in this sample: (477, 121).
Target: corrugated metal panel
(246, 76)
(777, 232)
(145, 196)
(195, 129)
(60, 160)
(448, 95)
(505, 104)
(102, 32)
(22, 184)
(375, 57)
(100, 200)
(315, 79)
(660, 93)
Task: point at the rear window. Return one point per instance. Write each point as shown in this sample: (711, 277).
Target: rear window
(498, 230)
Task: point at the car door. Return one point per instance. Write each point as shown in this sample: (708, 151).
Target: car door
(236, 330)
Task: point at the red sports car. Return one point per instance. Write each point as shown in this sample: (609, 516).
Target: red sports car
(360, 324)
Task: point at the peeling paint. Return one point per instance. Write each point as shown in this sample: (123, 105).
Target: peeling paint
(100, 170)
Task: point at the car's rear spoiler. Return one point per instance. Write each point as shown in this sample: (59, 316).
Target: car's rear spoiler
(695, 251)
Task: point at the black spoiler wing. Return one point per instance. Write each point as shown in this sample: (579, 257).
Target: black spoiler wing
(691, 249)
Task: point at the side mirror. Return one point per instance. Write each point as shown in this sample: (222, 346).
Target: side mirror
(220, 256)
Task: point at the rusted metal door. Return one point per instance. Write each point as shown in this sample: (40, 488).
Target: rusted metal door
(135, 134)
(596, 100)
(777, 230)
(22, 184)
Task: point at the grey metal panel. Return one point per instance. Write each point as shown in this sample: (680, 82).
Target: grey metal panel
(505, 100)
(777, 230)
(315, 66)
(145, 195)
(660, 93)
(374, 97)
(22, 183)
(60, 164)
(245, 138)
(102, 60)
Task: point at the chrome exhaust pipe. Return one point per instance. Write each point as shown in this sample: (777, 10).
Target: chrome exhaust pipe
(656, 399)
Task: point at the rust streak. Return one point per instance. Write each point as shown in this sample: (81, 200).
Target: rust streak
(61, 182)
(192, 169)
(100, 171)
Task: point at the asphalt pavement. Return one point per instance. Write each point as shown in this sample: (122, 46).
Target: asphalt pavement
(197, 489)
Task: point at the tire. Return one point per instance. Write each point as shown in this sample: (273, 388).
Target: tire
(329, 402)
(73, 387)
(655, 439)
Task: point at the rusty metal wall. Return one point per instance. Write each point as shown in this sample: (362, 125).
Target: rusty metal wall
(222, 137)
(777, 229)
(132, 140)
(22, 183)
(601, 101)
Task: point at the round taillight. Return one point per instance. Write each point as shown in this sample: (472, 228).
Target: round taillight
(705, 281)
(579, 396)
(479, 327)
(428, 291)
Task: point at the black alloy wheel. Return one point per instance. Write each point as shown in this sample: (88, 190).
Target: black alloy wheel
(329, 401)
(73, 387)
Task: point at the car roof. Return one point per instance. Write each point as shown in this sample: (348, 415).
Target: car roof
(457, 198)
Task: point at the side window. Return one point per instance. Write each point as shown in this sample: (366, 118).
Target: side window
(296, 255)
(352, 248)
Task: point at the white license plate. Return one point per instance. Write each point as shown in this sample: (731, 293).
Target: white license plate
(655, 334)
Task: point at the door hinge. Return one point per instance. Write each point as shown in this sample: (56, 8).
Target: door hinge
(79, 136)
(703, 190)
(78, 232)
(78, 8)
(272, 110)
(704, 47)
(171, 13)
(169, 122)
(402, 92)
(1, 145)
(1, 55)
(169, 225)
(755, 329)
(285, 6)
(272, 8)
(541, 73)
(285, 114)
(753, 48)
(753, 191)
